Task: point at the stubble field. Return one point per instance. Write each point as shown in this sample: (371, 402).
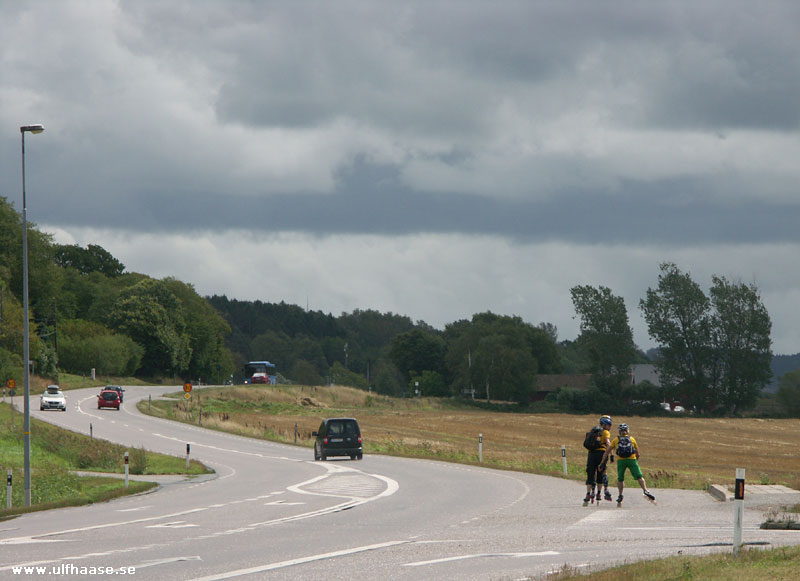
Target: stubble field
(676, 452)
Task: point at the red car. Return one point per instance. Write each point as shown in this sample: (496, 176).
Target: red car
(108, 398)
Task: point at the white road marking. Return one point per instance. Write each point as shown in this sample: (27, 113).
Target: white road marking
(481, 556)
(165, 561)
(598, 516)
(300, 561)
(40, 537)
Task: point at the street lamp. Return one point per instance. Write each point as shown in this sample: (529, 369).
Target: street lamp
(26, 346)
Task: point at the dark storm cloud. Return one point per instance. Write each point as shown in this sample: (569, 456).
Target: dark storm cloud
(604, 136)
(370, 199)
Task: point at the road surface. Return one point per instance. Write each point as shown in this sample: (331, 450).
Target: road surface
(271, 512)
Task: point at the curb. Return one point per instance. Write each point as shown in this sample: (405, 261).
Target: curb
(720, 493)
(782, 525)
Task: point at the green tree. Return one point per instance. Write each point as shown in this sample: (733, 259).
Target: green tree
(93, 258)
(276, 347)
(741, 339)
(85, 345)
(605, 333)
(789, 392)
(210, 358)
(430, 384)
(497, 356)
(678, 319)
(416, 351)
(305, 347)
(388, 380)
(714, 352)
(304, 373)
(341, 376)
(153, 316)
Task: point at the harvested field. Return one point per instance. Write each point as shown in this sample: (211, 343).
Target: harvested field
(676, 452)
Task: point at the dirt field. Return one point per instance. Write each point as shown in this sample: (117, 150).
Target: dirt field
(676, 452)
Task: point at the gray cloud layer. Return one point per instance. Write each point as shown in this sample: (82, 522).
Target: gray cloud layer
(654, 125)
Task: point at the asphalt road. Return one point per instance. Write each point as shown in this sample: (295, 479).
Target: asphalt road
(271, 512)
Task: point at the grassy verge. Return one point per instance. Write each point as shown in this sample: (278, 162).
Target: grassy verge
(56, 454)
(749, 565)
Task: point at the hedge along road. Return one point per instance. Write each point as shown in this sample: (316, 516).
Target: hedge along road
(270, 510)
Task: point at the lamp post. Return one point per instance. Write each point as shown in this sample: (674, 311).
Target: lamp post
(26, 343)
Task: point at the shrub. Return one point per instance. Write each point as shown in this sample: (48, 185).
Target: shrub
(138, 460)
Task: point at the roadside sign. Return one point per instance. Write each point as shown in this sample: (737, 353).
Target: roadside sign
(187, 387)
(12, 393)
(11, 384)
(187, 395)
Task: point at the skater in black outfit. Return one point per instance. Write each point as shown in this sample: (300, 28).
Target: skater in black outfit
(594, 460)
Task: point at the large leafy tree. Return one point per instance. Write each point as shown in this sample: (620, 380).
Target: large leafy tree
(93, 258)
(498, 356)
(605, 333)
(678, 319)
(416, 351)
(210, 359)
(742, 345)
(713, 351)
(85, 345)
(151, 314)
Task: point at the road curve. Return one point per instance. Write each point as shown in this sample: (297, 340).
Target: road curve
(271, 512)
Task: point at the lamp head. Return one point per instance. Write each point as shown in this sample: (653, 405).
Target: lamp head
(37, 128)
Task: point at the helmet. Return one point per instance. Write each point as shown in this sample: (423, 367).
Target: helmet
(605, 421)
(623, 427)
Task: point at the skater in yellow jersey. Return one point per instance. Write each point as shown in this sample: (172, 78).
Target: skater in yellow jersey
(627, 459)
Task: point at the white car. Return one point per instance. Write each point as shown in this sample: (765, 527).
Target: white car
(53, 399)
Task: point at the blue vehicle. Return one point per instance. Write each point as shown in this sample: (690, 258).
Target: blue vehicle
(260, 372)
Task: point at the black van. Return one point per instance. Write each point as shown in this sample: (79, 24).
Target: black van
(338, 437)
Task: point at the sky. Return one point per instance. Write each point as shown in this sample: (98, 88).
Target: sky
(433, 159)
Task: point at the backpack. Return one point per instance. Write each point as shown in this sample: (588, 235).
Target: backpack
(625, 447)
(592, 439)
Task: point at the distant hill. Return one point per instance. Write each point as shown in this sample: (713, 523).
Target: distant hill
(782, 364)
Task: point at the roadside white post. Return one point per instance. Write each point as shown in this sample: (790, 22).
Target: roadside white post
(738, 514)
(126, 470)
(480, 448)
(564, 457)
(8, 489)
(187, 456)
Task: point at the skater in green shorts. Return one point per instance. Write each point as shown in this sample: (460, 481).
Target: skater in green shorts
(627, 459)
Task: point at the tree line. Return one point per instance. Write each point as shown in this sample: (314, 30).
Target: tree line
(87, 312)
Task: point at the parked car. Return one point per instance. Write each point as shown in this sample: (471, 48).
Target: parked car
(53, 399)
(118, 389)
(108, 398)
(338, 437)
